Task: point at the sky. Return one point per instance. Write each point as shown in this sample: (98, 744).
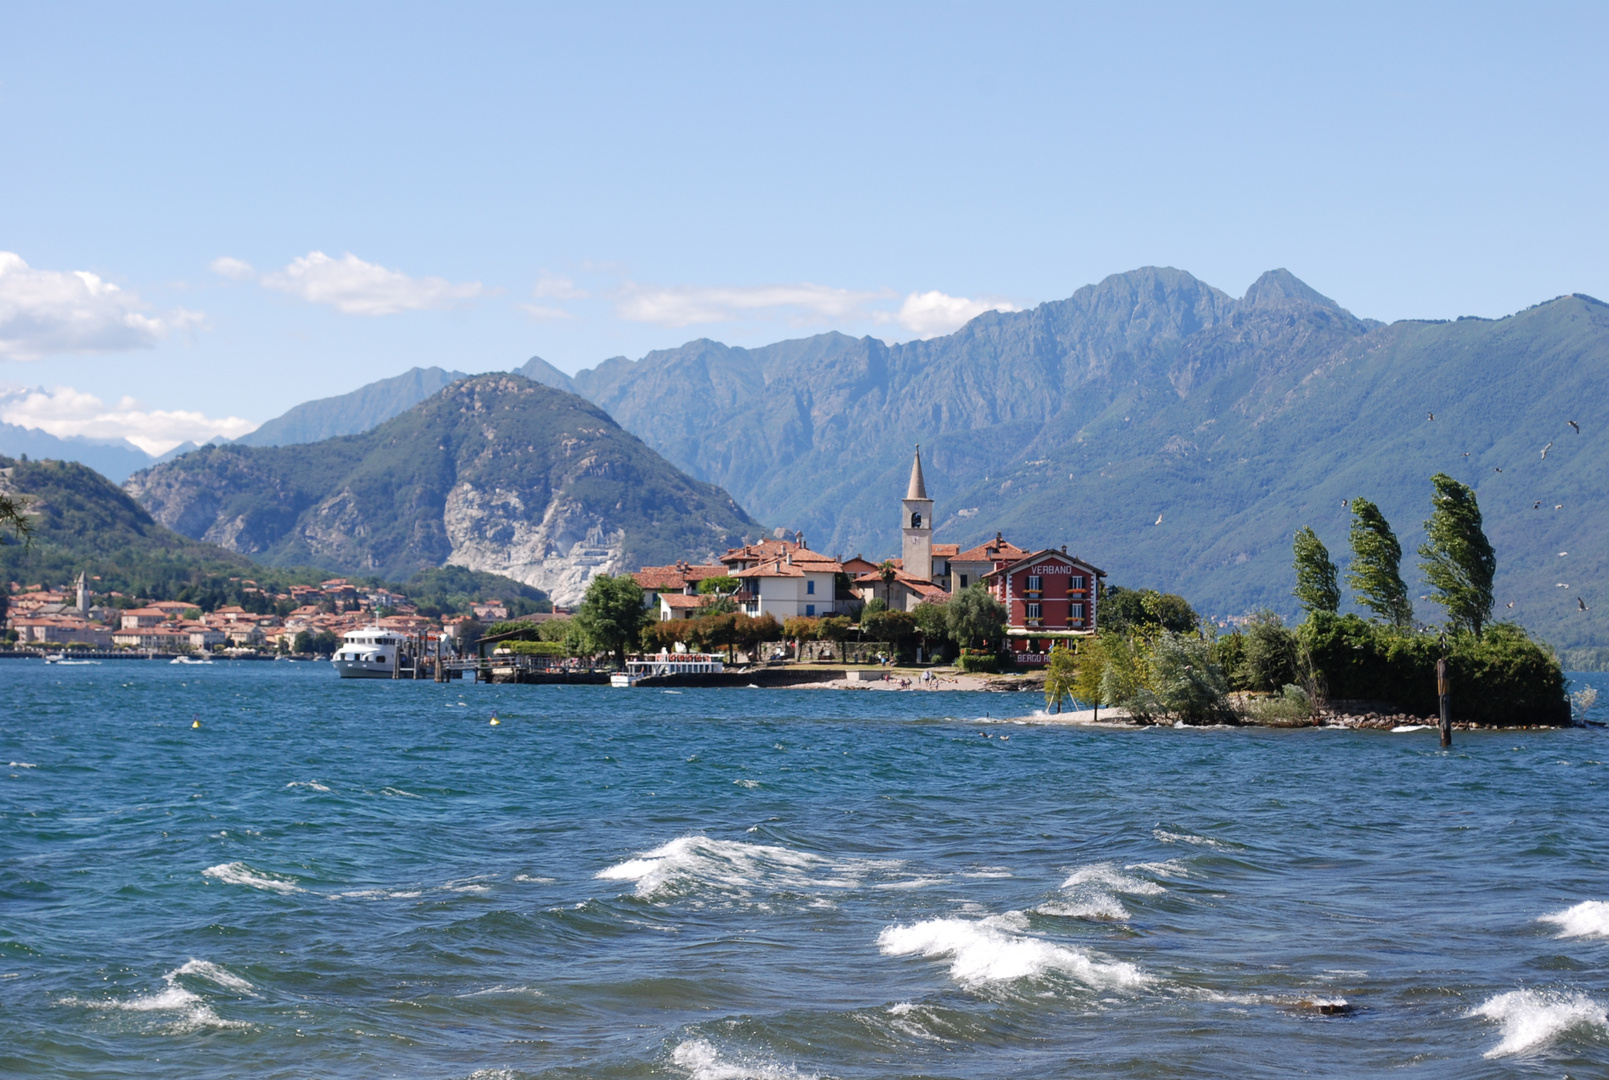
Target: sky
(212, 212)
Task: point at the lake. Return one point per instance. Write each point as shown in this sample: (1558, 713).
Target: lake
(369, 879)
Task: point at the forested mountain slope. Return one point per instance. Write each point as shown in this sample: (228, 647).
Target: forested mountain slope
(494, 473)
(1153, 394)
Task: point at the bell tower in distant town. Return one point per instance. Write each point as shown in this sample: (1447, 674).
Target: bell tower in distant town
(916, 525)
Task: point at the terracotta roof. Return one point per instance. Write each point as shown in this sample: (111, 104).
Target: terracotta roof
(946, 550)
(1045, 553)
(996, 550)
(677, 601)
(775, 568)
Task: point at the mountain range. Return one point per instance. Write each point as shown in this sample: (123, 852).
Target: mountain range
(495, 473)
(1169, 432)
(1172, 434)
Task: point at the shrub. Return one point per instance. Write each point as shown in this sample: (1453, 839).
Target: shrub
(1293, 707)
(533, 648)
(1271, 654)
(1502, 677)
(978, 661)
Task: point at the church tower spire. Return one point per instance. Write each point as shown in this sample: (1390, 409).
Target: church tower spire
(916, 524)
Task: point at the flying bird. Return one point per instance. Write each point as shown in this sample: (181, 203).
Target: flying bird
(1562, 554)
(1572, 423)
(1562, 585)
(1496, 469)
(1511, 603)
(1580, 603)
(1159, 518)
(1466, 453)
(1545, 450)
(1538, 505)
(1432, 416)
(1558, 506)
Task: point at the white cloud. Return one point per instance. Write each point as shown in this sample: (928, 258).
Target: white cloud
(356, 287)
(233, 268)
(932, 314)
(552, 286)
(46, 312)
(924, 314)
(64, 411)
(683, 305)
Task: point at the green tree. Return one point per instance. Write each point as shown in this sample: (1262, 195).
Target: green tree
(1125, 611)
(976, 617)
(1091, 669)
(886, 571)
(1459, 561)
(873, 606)
(933, 623)
(1270, 656)
(1316, 589)
(898, 628)
(1061, 676)
(725, 586)
(612, 615)
(1375, 574)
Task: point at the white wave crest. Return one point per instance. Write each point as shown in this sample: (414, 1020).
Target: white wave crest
(23, 765)
(1588, 919)
(314, 784)
(703, 1061)
(195, 1013)
(1532, 1018)
(1107, 876)
(994, 950)
(1092, 893)
(690, 863)
(238, 873)
(1186, 838)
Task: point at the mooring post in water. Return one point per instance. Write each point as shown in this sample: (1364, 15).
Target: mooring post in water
(1446, 709)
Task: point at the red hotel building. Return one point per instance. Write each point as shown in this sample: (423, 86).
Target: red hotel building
(1048, 595)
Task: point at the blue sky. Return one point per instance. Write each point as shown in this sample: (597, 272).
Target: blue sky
(293, 200)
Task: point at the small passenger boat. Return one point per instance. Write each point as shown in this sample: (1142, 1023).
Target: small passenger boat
(666, 663)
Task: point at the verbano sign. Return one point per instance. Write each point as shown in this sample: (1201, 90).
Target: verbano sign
(1052, 568)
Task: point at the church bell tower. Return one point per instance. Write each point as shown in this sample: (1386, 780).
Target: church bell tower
(916, 525)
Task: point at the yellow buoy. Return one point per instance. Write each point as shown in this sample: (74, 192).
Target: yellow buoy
(195, 723)
(495, 721)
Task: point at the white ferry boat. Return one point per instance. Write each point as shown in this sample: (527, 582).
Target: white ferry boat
(369, 653)
(666, 663)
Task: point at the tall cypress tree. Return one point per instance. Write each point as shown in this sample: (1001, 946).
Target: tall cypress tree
(1375, 574)
(1459, 561)
(1316, 589)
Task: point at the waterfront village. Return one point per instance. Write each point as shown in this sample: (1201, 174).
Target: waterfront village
(1046, 595)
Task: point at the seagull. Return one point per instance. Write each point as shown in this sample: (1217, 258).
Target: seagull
(1558, 506)
(1538, 505)
(1159, 518)
(1511, 603)
(1562, 585)
(1545, 450)
(1562, 554)
(1432, 416)
(1572, 423)
(1466, 453)
(1496, 469)
(1580, 603)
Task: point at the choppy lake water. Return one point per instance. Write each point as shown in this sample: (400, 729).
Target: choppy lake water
(367, 879)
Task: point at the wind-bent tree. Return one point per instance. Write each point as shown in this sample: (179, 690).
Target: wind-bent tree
(1061, 674)
(1459, 561)
(612, 614)
(1375, 574)
(1316, 589)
